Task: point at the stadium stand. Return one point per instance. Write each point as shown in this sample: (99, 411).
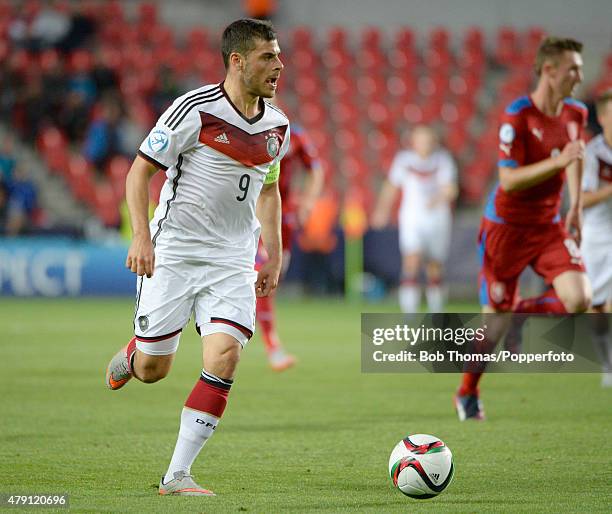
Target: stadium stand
(355, 92)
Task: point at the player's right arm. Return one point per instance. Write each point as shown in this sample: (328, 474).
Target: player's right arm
(524, 177)
(141, 257)
(175, 132)
(514, 173)
(388, 193)
(590, 198)
(592, 192)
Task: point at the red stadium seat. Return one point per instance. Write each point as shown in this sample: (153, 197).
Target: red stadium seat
(147, 13)
(378, 113)
(371, 87)
(302, 37)
(344, 113)
(106, 204)
(54, 149)
(80, 179)
(438, 39)
(336, 38)
(339, 85)
(412, 113)
(507, 50)
(473, 40)
(533, 38)
(404, 38)
(370, 38)
(312, 114)
(197, 39)
(116, 171)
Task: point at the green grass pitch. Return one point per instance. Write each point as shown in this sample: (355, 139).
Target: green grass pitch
(313, 439)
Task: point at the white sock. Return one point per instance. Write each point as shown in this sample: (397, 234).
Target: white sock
(602, 347)
(409, 298)
(435, 298)
(196, 428)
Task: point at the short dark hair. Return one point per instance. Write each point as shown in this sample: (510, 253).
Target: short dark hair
(602, 101)
(240, 36)
(552, 48)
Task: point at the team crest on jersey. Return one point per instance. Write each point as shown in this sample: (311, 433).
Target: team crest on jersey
(506, 133)
(497, 291)
(158, 140)
(272, 145)
(143, 323)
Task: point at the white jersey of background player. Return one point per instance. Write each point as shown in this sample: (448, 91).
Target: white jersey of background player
(596, 246)
(426, 175)
(220, 146)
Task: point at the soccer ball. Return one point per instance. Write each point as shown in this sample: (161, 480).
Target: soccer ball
(421, 466)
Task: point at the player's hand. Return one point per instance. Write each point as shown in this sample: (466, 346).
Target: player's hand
(572, 151)
(379, 220)
(141, 257)
(267, 278)
(304, 211)
(573, 223)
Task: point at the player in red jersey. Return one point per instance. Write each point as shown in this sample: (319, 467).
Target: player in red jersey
(540, 142)
(295, 212)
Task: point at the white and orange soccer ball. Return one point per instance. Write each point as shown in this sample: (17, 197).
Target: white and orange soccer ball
(421, 466)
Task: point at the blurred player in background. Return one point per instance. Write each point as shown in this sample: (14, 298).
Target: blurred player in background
(221, 147)
(426, 175)
(597, 233)
(296, 210)
(540, 141)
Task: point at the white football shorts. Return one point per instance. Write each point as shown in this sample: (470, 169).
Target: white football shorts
(427, 236)
(221, 298)
(597, 256)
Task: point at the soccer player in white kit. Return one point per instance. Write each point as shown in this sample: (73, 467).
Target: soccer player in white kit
(221, 147)
(596, 244)
(426, 176)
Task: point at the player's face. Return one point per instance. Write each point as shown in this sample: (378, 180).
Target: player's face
(567, 74)
(423, 141)
(262, 68)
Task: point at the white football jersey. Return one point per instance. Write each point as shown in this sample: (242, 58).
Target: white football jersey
(597, 172)
(421, 180)
(216, 162)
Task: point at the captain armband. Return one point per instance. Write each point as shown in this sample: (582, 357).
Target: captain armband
(273, 173)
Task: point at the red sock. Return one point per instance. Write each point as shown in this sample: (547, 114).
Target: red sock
(267, 322)
(130, 351)
(469, 384)
(548, 302)
(209, 396)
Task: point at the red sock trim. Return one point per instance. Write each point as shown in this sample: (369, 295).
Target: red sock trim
(130, 351)
(266, 317)
(208, 398)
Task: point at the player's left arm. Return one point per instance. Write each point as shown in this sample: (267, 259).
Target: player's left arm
(448, 191)
(315, 177)
(573, 219)
(269, 215)
(312, 191)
